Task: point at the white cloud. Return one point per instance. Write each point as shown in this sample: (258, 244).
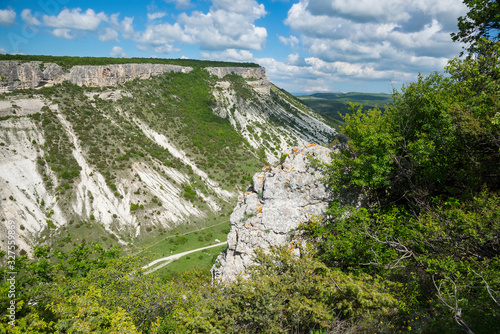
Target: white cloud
(127, 27)
(63, 33)
(166, 48)
(295, 59)
(2, 50)
(229, 55)
(375, 39)
(249, 8)
(160, 34)
(228, 24)
(108, 34)
(117, 52)
(222, 30)
(361, 10)
(7, 17)
(75, 19)
(157, 15)
(293, 41)
(29, 18)
(182, 4)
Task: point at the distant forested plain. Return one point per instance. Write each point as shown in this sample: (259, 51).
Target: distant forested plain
(332, 106)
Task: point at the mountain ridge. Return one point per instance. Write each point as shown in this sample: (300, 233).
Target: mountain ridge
(130, 162)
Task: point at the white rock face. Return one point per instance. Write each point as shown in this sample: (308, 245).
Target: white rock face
(256, 75)
(35, 74)
(279, 199)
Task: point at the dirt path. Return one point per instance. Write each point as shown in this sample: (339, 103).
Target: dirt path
(176, 235)
(171, 258)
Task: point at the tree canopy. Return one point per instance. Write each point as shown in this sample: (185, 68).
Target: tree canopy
(482, 21)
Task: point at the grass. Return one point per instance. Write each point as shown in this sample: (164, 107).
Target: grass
(202, 260)
(84, 231)
(178, 243)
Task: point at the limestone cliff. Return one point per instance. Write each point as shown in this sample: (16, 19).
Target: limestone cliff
(36, 74)
(279, 199)
(256, 75)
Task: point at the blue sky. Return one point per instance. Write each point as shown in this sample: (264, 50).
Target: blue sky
(306, 45)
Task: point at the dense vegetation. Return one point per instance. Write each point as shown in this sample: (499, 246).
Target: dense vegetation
(66, 62)
(333, 106)
(427, 170)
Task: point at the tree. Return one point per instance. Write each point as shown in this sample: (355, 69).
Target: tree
(482, 20)
(428, 168)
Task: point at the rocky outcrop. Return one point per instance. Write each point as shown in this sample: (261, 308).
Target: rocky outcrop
(245, 72)
(256, 76)
(23, 75)
(35, 74)
(279, 199)
(111, 75)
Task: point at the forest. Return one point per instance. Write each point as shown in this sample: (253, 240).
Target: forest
(421, 254)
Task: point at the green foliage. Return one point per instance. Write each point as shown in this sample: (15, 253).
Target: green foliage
(428, 168)
(189, 193)
(58, 147)
(179, 105)
(436, 139)
(482, 21)
(286, 294)
(84, 314)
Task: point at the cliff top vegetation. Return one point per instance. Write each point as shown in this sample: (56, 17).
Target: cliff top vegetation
(67, 62)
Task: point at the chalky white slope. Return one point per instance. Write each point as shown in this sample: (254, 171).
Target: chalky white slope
(267, 118)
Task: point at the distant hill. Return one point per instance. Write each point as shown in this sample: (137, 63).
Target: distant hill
(331, 105)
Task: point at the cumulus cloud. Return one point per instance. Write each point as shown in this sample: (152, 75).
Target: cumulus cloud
(2, 50)
(75, 19)
(228, 24)
(157, 15)
(293, 41)
(125, 26)
(63, 33)
(29, 18)
(108, 34)
(117, 52)
(162, 34)
(375, 39)
(181, 4)
(229, 55)
(296, 60)
(360, 10)
(7, 17)
(166, 48)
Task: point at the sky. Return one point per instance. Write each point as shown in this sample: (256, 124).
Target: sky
(307, 46)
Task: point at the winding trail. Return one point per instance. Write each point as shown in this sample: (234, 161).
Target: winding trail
(171, 258)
